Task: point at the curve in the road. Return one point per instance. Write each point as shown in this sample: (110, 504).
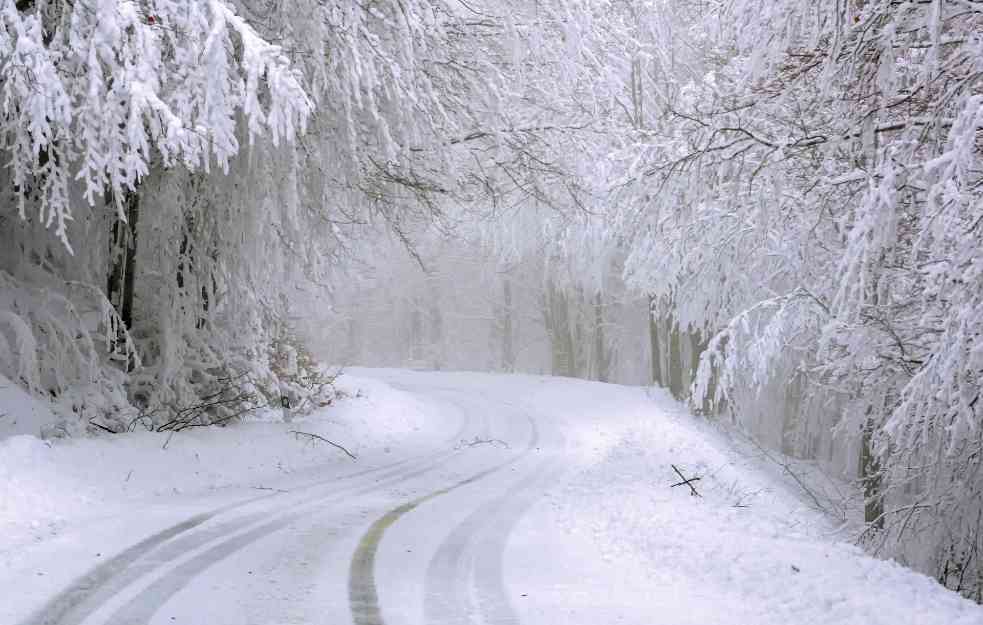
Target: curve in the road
(363, 596)
(88, 593)
(464, 579)
(143, 606)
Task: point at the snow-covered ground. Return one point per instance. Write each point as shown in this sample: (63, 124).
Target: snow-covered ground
(753, 549)
(68, 504)
(475, 498)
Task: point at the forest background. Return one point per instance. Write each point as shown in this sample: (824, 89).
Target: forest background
(771, 209)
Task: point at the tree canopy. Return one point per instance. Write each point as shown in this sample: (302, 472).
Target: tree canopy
(788, 193)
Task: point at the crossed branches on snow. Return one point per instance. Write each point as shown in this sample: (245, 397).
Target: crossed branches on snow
(686, 481)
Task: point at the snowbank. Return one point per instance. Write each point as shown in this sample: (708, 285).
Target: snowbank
(753, 549)
(20, 413)
(48, 487)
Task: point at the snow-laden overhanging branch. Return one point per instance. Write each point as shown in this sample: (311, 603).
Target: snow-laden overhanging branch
(94, 90)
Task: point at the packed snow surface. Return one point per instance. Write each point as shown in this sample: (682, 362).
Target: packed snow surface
(476, 498)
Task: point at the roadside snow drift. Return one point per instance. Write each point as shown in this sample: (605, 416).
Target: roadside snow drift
(50, 488)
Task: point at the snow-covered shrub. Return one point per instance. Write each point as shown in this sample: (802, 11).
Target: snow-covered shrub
(54, 340)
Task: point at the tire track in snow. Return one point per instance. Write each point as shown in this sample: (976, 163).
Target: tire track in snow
(363, 596)
(58, 609)
(88, 593)
(465, 581)
(140, 609)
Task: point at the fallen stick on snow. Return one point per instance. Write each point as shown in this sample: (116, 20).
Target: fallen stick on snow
(315, 437)
(484, 441)
(686, 481)
(276, 490)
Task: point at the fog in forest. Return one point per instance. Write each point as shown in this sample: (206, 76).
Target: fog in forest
(771, 210)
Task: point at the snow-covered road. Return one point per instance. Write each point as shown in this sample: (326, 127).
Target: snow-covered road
(512, 500)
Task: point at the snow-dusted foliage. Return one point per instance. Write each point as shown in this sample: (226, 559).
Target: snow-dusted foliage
(193, 164)
(804, 187)
(92, 91)
(791, 188)
(117, 121)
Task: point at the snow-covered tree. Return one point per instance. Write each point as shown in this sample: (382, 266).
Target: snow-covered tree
(807, 192)
(788, 192)
(102, 105)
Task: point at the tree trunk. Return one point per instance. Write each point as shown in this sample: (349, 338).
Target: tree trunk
(602, 363)
(557, 316)
(416, 331)
(122, 265)
(675, 363)
(436, 334)
(792, 404)
(655, 344)
(508, 340)
(698, 345)
(870, 477)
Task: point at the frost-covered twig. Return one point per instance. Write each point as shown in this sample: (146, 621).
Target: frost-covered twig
(476, 441)
(317, 437)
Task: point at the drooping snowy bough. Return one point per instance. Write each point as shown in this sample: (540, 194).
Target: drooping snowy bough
(805, 190)
(794, 188)
(178, 169)
(94, 91)
(114, 115)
